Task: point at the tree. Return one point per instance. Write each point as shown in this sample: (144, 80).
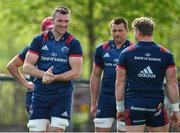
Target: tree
(90, 23)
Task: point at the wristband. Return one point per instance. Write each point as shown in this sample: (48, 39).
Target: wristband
(120, 106)
(175, 107)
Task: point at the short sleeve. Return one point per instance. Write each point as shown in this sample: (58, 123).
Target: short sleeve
(22, 54)
(35, 45)
(98, 57)
(75, 48)
(122, 61)
(170, 61)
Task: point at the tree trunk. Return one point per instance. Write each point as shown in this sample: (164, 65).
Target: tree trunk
(91, 34)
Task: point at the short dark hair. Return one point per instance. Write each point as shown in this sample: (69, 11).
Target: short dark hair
(61, 9)
(119, 20)
(145, 25)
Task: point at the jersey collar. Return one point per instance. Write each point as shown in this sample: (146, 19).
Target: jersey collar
(63, 38)
(113, 45)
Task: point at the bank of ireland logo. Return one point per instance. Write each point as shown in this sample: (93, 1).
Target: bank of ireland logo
(148, 54)
(147, 73)
(65, 50)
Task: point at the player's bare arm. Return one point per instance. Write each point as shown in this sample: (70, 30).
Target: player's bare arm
(172, 85)
(94, 87)
(13, 68)
(173, 94)
(74, 73)
(29, 65)
(120, 84)
(119, 92)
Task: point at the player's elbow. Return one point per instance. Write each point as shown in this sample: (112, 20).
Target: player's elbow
(77, 75)
(9, 66)
(26, 68)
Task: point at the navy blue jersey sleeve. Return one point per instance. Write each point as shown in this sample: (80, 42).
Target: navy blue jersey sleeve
(22, 54)
(35, 45)
(122, 60)
(98, 57)
(171, 62)
(75, 48)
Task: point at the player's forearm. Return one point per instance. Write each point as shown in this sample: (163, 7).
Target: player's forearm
(120, 84)
(69, 75)
(15, 72)
(119, 90)
(119, 94)
(94, 95)
(94, 88)
(33, 71)
(173, 92)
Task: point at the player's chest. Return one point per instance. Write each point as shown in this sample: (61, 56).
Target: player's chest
(110, 57)
(55, 49)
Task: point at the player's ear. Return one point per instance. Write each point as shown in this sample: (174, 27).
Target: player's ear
(138, 33)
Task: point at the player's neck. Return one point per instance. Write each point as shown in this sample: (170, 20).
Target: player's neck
(146, 39)
(57, 35)
(119, 44)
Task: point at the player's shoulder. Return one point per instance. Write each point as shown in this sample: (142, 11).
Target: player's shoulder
(72, 40)
(41, 36)
(104, 45)
(129, 43)
(163, 49)
(25, 49)
(130, 48)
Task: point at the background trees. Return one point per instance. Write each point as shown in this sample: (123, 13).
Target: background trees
(20, 21)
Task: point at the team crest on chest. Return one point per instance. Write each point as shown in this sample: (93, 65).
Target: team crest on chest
(65, 50)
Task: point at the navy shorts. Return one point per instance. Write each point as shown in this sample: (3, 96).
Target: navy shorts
(45, 107)
(106, 113)
(28, 100)
(145, 112)
(106, 107)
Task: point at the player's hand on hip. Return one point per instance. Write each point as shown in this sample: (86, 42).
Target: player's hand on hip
(93, 110)
(175, 119)
(30, 86)
(120, 116)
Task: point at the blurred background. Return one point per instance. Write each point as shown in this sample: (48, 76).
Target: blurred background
(20, 22)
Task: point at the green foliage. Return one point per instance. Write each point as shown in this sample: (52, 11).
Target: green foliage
(12, 105)
(90, 19)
